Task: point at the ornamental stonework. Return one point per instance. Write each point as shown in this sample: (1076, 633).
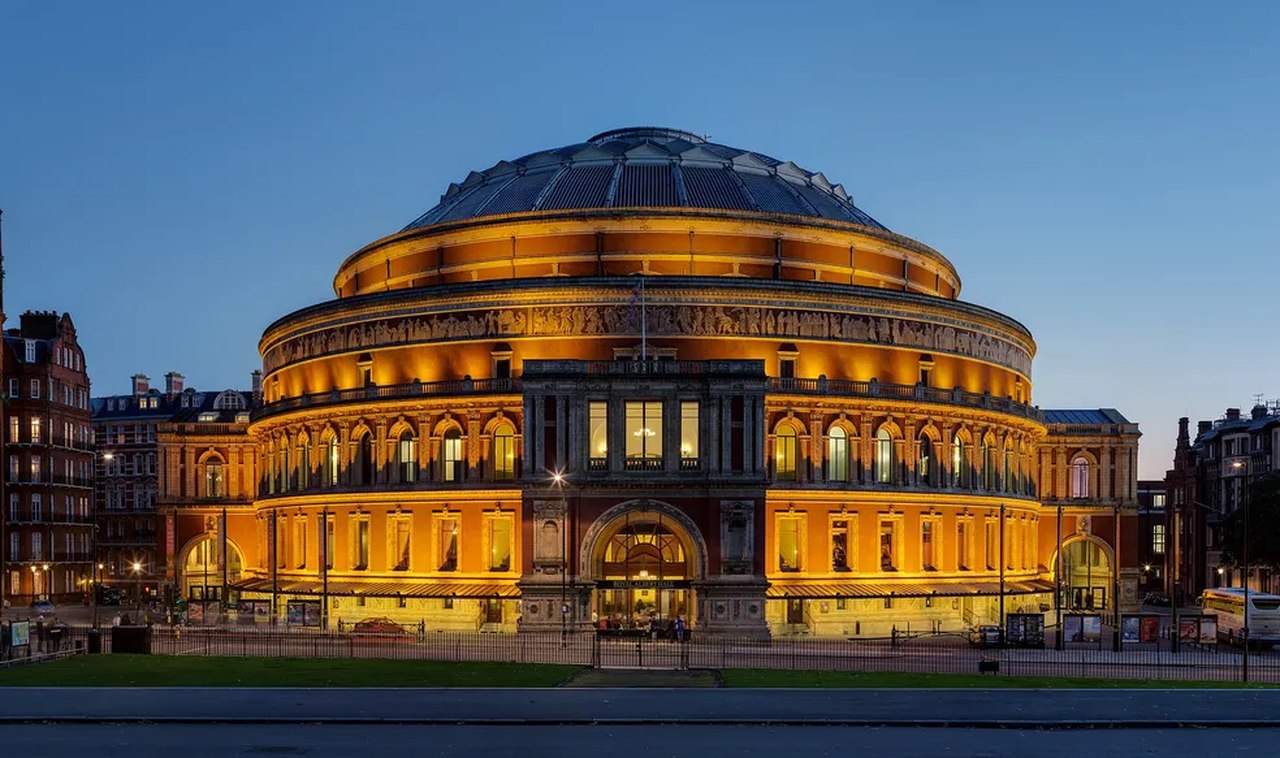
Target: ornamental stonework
(662, 320)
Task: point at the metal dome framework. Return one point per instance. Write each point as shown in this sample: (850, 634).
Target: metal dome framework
(650, 167)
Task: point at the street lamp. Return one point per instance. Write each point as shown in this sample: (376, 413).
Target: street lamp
(137, 590)
(557, 482)
(96, 588)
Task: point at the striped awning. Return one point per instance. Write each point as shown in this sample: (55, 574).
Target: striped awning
(460, 589)
(827, 590)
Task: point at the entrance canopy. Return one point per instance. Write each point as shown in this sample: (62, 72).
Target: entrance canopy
(385, 589)
(855, 590)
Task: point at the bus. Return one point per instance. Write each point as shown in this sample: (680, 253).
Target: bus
(1228, 604)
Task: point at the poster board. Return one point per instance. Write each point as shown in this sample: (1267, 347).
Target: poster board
(1024, 630)
(1137, 629)
(249, 612)
(1082, 628)
(1198, 630)
(302, 613)
(19, 633)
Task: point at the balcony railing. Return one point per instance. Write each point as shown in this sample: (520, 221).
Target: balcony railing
(392, 392)
(646, 368)
(878, 389)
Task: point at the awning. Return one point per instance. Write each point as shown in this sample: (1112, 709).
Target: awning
(461, 589)
(828, 590)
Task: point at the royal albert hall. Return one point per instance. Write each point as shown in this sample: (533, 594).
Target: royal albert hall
(648, 376)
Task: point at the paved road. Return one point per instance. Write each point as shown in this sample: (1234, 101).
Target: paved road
(319, 741)
(561, 707)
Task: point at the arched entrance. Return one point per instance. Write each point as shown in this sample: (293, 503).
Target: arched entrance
(644, 562)
(1086, 574)
(201, 574)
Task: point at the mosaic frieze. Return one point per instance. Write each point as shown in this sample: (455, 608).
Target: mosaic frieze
(662, 320)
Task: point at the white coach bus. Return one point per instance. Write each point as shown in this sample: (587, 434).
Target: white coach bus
(1228, 604)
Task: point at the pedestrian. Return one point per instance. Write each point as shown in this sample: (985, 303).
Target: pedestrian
(680, 629)
(115, 620)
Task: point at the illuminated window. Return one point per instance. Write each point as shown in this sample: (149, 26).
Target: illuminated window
(790, 555)
(285, 473)
(838, 455)
(446, 543)
(924, 466)
(35, 468)
(35, 429)
(452, 463)
(407, 457)
(499, 542)
(1080, 477)
(689, 430)
(888, 545)
(784, 454)
(883, 462)
(213, 478)
(1157, 539)
(840, 560)
(331, 463)
(504, 452)
(360, 543)
(644, 435)
(598, 421)
(14, 426)
(399, 531)
(304, 464)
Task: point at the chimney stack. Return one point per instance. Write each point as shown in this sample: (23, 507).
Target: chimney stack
(1259, 411)
(1183, 424)
(1203, 427)
(1233, 414)
(173, 383)
(256, 382)
(141, 383)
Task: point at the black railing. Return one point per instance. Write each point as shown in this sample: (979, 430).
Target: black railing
(466, 386)
(918, 392)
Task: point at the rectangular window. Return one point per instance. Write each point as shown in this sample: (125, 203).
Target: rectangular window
(13, 506)
(328, 541)
(13, 389)
(453, 456)
(446, 543)
(992, 545)
(962, 545)
(399, 529)
(789, 556)
(688, 433)
(1157, 500)
(787, 368)
(35, 389)
(499, 542)
(13, 468)
(598, 423)
(1157, 539)
(502, 368)
(30, 354)
(840, 560)
(360, 543)
(888, 545)
(282, 542)
(927, 547)
(644, 435)
(35, 468)
(37, 508)
(300, 542)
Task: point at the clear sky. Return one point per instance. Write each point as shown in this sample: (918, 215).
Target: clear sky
(177, 176)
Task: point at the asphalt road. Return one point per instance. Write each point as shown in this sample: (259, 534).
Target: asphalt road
(621, 707)
(318, 741)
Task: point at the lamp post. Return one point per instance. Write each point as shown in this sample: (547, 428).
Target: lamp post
(136, 568)
(1058, 575)
(97, 590)
(1244, 663)
(558, 482)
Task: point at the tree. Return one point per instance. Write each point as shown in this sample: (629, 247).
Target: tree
(1263, 506)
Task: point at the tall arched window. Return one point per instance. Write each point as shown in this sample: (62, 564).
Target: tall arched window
(1010, 471)
(364, 459)
(407, 457)
(838, 455)
(924, 466)
(504, 452)
(957, 461)
(213, 478)
(784, 455)
(331, 460)
(883, 462)
(452, 455)
(286, 473)
(988, 465)
(304, 464)
(1080, 477)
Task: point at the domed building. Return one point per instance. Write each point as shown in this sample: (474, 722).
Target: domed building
(649, 376)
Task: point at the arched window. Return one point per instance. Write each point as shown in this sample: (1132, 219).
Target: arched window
(784, 454)
(957, 461)
(924, 466)
(304, 464)
(1080, 477)
(1010, 471)
(331, 459)
(988, 465)
(504, 452)
(364, 459)
(452, 456)
(286, 473)
(213, 478)
(838, 455)
(407, 457)
(883, 462)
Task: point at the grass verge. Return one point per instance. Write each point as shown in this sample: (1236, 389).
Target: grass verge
(201, 671)
(890, 679)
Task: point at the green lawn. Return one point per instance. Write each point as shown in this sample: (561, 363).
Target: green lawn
(201, 671)
(846, 679)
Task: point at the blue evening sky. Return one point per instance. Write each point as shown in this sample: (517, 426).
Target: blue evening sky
(177, 176)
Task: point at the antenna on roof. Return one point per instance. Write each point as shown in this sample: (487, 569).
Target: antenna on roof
(1257, 399)
(707, 137)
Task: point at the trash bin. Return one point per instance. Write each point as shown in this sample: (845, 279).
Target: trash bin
(95, 641)
(131, 639)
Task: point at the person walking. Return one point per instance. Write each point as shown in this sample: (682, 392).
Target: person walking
(680, 629)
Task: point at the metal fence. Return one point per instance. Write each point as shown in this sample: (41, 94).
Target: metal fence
(917, 653)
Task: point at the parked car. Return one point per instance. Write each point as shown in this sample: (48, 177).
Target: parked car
(1157, 599)
(41, 606)
(381, 627)
(110, 596)
(987, 635)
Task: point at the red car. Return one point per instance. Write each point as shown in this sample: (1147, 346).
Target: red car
(378, 627)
